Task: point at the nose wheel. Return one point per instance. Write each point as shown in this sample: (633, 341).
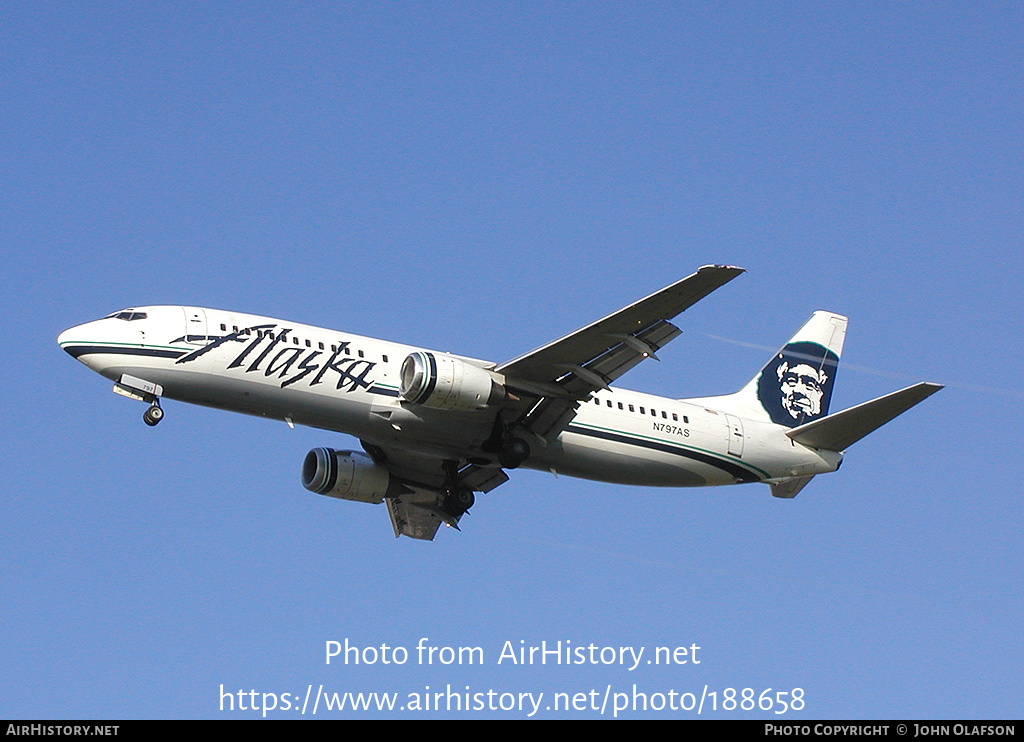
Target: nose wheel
(153, 415)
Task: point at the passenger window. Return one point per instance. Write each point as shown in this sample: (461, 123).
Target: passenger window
(620, 405)
(642, 411)
(675, 417)
(609, 403)
(663, 415)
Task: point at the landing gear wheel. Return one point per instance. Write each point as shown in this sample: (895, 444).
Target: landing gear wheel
(459, 500)
(513, 453)
(153, 415)
(465, 498)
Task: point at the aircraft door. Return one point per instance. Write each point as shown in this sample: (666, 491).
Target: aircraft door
(195, 326)
(735, 435)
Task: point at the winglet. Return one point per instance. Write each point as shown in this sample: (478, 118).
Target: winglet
(841, 430)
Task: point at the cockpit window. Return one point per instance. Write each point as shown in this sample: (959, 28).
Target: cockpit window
(127, 314)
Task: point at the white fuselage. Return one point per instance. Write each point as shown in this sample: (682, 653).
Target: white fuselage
(346, 383)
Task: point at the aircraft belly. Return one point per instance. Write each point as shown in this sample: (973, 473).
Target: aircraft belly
(587, 457)
(597, 450)
(440, 433)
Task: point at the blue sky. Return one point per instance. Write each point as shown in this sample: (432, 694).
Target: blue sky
(483, 178)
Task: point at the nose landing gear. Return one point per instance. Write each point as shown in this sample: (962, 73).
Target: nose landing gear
(144, 391)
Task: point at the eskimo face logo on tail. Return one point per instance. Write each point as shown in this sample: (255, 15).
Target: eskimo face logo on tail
(796, 387)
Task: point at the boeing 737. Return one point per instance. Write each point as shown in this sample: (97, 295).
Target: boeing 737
(437, 428)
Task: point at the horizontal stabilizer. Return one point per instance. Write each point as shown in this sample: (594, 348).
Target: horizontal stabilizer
(840, 430)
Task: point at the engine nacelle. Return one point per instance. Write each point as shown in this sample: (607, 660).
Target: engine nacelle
(347, 475)
(448, 383)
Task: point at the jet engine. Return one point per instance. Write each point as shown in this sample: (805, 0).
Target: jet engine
(448, 383)
(347, 475)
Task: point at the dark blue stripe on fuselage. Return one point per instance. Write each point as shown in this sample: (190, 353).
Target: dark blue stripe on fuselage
(737, 471)
(76, 351)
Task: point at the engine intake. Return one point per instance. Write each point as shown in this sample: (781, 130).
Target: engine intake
(447, 383)
(347, 475)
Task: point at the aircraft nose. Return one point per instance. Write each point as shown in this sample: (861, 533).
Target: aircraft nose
(67, 338)
(75, 340)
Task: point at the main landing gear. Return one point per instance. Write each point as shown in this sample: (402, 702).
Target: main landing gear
(154, 414)
(456, 498)
(513, 452)
(510, 449)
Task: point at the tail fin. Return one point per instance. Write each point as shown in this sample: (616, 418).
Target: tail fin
(795, 386)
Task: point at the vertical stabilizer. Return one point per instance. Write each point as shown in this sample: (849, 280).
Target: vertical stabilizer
(795, 386)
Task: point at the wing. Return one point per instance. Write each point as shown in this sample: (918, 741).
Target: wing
(552, 381)
(417, 511)
(557, 376)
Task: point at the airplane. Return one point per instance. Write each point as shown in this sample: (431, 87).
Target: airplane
(438, 428)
